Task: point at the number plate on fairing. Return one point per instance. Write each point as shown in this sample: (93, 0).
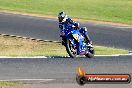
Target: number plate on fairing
(77, 37)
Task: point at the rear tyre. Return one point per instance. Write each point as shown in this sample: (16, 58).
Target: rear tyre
(72, 51)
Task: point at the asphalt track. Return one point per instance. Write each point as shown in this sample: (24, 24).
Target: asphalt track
(63, 70)
(47, 29)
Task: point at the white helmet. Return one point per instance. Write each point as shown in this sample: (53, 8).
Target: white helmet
(62, 17)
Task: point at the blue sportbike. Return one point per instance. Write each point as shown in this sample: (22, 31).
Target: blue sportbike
(75, 43)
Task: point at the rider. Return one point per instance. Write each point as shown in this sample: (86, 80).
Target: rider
(65, 22)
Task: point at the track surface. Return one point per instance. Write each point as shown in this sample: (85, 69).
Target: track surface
(63, 70)
(47, 29)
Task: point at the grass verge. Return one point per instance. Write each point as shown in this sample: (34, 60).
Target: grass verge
(12, 46)
(104, 10)
(5, 84)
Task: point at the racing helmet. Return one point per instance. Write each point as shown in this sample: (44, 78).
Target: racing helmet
(77, 24)
(62, 17)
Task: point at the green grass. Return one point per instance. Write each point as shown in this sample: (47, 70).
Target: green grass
(5, 84)
(11, 46)
(103, 10)
(100, 50)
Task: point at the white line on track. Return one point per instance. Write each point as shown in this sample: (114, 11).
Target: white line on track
(27, 80)
(24, 57)
(106, 55)
(116, 55)
(129, 54)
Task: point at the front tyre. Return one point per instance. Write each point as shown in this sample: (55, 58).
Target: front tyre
(71, 50)
(91, 52)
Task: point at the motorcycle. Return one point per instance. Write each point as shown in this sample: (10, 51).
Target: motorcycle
(75, 43)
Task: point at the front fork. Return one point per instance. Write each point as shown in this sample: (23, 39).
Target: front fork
(73, 44)
(78, 47)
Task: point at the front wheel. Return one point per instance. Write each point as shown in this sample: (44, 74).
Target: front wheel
(71, 50)
(91, 52)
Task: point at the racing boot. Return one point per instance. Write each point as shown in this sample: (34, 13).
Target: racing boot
(88, 41)
(63, 40)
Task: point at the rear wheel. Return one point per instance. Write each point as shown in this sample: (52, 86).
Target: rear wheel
(71, 50)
